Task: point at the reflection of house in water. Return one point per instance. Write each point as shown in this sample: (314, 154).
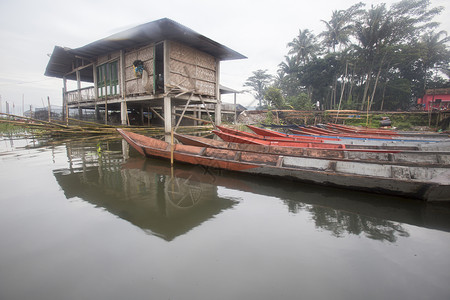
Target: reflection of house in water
(149, 198)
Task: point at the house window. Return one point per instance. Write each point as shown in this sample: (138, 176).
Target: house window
(107, 79)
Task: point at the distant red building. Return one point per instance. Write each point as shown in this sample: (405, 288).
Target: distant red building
(438, 99)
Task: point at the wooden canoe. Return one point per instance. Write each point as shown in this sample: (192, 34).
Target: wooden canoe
(266, 134)
(410, 158)
(286, 143)
(343, 139)
(410, 182)
(370, 131)
(236, 136)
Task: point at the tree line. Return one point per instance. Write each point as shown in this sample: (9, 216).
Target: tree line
(375, 58)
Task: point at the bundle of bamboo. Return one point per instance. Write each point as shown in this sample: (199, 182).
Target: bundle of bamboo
(80, 128)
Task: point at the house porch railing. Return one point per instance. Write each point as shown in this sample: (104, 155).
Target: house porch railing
(82, 95)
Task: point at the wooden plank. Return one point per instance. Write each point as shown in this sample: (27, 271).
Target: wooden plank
(193, 118)
(184, 110)
(156, 113)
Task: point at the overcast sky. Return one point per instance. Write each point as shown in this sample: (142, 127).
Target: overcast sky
(260, 30)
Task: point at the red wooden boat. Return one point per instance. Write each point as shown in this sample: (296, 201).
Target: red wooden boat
(429, 185)
(237, 136)
(312, 130)
(371, 131)
(349, 135)
(409, 156)
(273, 135)
(228, 137)
(268, 132)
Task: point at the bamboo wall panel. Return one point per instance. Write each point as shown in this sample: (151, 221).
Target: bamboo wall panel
(131, 87)
(104, 58)
(187, 62)
(206, 61)
(206, 88)
(135, 85)
(206, 74)
(181, 80)
(182, 53)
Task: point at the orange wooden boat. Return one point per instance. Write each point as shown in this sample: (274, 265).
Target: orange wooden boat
(228, 137)
(430, 184)
(266, 134)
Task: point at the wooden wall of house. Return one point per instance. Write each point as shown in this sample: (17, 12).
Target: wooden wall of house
(108, 57)
(134, 85)
(188, 68)
(188, 62)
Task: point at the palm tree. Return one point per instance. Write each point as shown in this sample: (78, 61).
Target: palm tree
(288, 66)
(372, 33)
(304, 47)
(288, 76)
(434, 52)
(341, 26)
(381, 31)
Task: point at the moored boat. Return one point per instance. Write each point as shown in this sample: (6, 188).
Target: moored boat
(343, 135)
(408, 157)
(399, 180)
(274, 135)
(344, 128)
(238, 136)
(263, 141)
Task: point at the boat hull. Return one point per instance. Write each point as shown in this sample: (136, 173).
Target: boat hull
(403, 157)
(394, 182)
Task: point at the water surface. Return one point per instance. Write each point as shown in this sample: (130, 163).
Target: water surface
(94, 220)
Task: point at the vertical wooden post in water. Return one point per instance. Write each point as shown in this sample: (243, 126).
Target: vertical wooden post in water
(235, 113)
(172, 147)
(65, 100)
(367, 119)
(49, 110)
(106, 99)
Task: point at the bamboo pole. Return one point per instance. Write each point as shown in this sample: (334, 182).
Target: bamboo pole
(172, 146)
(49, 110)
(91, 123)
(184, 111)
(193, 118)
(34, 120)
(207, 111)
(157, 114)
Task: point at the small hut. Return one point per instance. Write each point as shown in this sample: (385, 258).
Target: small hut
(151, 70)
(435, 99)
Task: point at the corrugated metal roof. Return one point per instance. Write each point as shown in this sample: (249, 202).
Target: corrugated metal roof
(227, 90)
(152, 32)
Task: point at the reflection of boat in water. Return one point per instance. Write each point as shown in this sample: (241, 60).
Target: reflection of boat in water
(139, 191)
(335, 210)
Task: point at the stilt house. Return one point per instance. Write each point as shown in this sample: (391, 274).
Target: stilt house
(154, 67)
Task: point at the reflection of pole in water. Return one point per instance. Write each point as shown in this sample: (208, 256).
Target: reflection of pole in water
(69, 157)
(125, 150)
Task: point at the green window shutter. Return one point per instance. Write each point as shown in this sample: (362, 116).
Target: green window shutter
(107, 79)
